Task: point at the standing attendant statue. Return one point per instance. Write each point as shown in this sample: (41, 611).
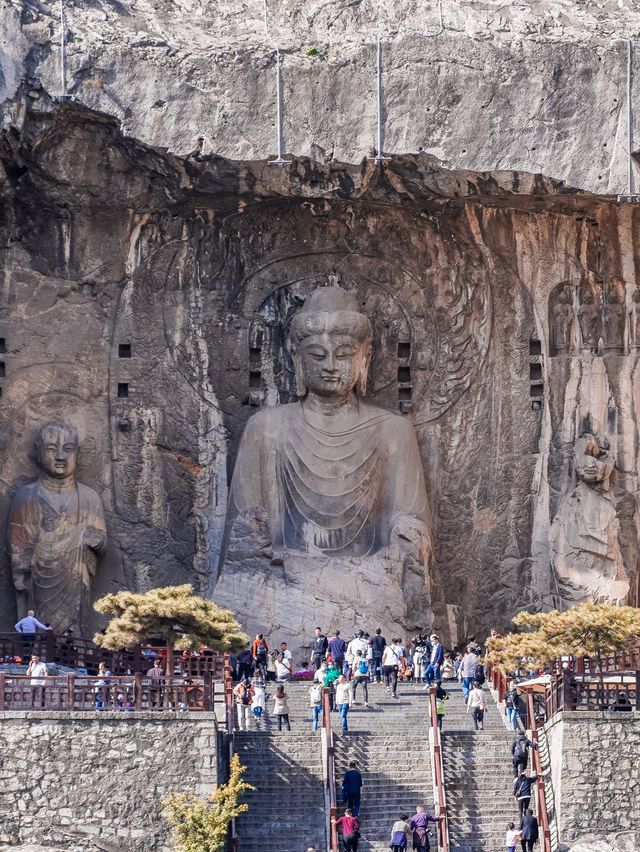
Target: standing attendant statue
(56, 533)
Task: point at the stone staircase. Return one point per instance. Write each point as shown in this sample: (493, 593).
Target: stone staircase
(478, 776)
(286, 811)
(389, 741)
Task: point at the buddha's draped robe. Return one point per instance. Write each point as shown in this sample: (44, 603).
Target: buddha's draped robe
(331, 487)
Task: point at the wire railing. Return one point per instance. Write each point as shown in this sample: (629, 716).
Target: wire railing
(443, 826)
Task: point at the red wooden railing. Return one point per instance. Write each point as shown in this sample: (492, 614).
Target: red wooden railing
(443, 825)
(74, 692)
(543, 811)
(78, 653)
(329, 764)
(227, 680)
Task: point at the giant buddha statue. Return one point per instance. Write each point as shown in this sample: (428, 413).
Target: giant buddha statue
(331, 489)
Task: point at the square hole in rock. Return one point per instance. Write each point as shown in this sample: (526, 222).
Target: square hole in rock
(254, 355)
(535, 347)
(123, 390)
(404, 350)
(3, 369)
(404, 374)
(3, 345)
(255, 379)
(404, 394)
(536, 391)
(535, 372)
(124, 350)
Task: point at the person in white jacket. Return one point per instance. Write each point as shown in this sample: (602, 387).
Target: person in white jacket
(343, 700)
(477, 705)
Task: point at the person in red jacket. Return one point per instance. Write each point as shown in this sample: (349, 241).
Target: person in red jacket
(350, 830)
(259, 651)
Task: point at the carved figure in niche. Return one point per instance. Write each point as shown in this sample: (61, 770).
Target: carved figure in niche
(336, 475)
(56, 533)
(614, 321)
(585, 548)
(634, 330)
(590, 321)
(328, 501)
(562, 316)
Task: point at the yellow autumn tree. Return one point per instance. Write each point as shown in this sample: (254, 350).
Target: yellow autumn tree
(201, 825)
(174, 613)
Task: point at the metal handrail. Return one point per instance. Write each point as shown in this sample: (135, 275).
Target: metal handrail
(443, 827)
(543, 813)
(227, 678)
(328, 761)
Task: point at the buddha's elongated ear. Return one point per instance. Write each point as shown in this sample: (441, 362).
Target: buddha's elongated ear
(361, 384)
(301, 386)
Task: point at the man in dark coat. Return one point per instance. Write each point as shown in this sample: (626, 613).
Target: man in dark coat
(351, 787)
(528, 831)
(522, 791)
(520, 754)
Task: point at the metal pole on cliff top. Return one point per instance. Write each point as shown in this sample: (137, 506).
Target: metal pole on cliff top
(379, 157)
(630, 196)
(63, 58)
(279, 161)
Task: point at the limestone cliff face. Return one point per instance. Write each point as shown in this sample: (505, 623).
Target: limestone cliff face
(146, 299)
(537, 86)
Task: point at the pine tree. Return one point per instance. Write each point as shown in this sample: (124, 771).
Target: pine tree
(586, 630)
(174, 613)
(201, 825)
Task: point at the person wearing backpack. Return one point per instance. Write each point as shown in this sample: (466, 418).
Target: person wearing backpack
(243, 693)
(315, 701)
(259, 651)
(520, 753)
(361, 676)
(441, 697)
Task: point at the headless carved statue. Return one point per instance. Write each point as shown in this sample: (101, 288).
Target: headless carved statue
(584, 541)
(614, 321)
(563, 321)
(332, 476)
(56, 532)
(590, 321)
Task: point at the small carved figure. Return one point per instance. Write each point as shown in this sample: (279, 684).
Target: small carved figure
(56, 532)
(585, 549)
(563, 319)
(590, 321)
(614, 321)
(634, 330)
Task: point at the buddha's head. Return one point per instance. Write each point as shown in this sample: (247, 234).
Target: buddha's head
(57, 448)
(331, 345)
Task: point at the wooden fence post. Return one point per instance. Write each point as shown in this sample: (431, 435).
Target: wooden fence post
(70, 691)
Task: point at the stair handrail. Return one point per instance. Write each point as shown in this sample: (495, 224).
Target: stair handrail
(543, 813)
(443, 826)
(328, 761)
(227, 678)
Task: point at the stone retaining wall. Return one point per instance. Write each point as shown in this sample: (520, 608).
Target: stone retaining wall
(81, 781)
(595, 773)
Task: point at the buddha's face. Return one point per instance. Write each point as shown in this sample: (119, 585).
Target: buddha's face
(58, 453)
(332, 363)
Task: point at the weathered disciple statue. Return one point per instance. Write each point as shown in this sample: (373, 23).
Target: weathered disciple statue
(337, 481)
(584, 535)
(56, 533)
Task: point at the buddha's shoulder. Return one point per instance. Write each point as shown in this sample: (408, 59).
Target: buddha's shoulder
(385, 416)
(272, 417)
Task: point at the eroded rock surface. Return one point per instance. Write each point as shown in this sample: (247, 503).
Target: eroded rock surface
(146, 299)
(537, 86)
